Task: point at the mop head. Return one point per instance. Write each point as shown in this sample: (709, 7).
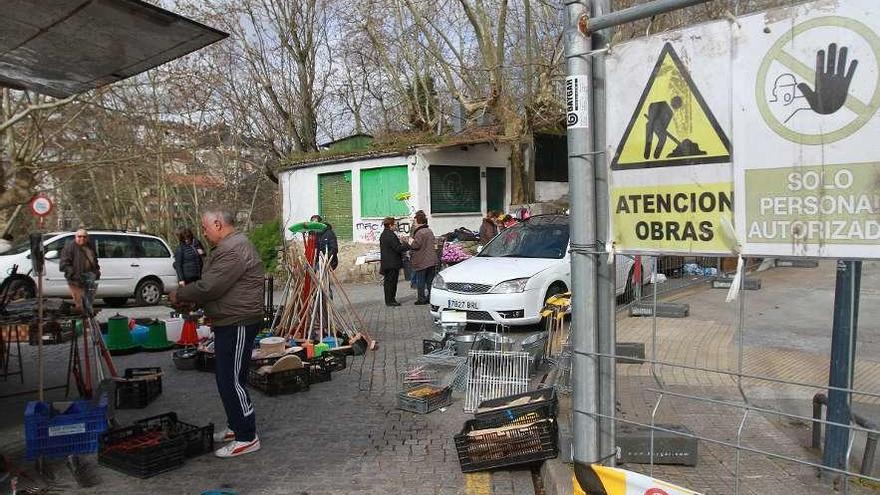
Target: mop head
(304, 227)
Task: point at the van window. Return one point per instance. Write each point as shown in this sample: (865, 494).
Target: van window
(57, 244)
(112, 246)
(146, 247)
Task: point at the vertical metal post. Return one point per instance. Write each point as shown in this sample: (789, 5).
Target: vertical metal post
(583, 238)
(843, 340)
(606, 275)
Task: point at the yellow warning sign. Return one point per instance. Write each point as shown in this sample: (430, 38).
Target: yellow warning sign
(671, 125)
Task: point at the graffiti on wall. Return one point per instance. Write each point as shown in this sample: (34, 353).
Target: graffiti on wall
(368, 231)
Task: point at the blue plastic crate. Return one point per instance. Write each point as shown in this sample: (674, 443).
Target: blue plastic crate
(75, 430)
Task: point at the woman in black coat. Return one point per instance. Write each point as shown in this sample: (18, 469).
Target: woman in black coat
(391, 251)
(188, 257)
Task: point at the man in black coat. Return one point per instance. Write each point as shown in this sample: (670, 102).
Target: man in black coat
(391, 260)
(327, 242)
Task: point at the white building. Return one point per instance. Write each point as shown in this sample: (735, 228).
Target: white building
(455, 184)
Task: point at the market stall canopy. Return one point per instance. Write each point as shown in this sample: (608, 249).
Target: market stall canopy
(65, 47)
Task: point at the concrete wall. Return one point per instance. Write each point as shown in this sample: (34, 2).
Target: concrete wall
(480, 155)
(299, 187)
(550, 191)
(299, 192)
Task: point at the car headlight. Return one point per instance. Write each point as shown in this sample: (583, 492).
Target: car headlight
(510, 286)
(439, 283)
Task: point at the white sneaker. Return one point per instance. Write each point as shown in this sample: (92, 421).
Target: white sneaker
(226, 435)
(236, 448)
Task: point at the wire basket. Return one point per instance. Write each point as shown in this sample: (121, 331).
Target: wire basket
(493, 374)
(423, 399)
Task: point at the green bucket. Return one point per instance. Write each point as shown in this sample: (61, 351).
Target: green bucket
(118, 336)
(321, 349)
(157, 337)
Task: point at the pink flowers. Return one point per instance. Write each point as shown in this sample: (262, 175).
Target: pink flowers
(454, 252)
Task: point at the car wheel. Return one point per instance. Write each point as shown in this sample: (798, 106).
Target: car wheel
(20, 288)
(116, 301)
(148, 293)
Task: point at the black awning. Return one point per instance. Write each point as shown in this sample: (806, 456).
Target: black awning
(64, 47)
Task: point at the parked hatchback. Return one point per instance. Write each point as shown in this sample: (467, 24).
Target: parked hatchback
(133, 265)
(510, 280)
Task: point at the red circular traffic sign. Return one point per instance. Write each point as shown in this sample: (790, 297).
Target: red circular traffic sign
(41, 205)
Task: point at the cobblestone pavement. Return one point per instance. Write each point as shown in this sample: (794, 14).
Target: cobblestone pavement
(343, 436)
(786, 336)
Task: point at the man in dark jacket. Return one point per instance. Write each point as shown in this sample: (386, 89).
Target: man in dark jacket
(488, 229)
(231, 292)
(79, 263)
(390, 260)
(327, 242)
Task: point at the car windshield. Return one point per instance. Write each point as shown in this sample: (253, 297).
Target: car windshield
(531, 239)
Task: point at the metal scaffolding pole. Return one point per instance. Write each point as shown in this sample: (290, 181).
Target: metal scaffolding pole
(843, 345)
(606, 276)
(638, 12)
(583, 239)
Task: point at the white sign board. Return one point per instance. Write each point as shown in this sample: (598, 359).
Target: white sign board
(777, 110)
(806, 94)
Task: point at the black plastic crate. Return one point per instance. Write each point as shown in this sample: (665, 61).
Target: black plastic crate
(424, 398)
(318, 371)
(141, 452)
(280, 382)
(199, 439)
(140, 387)
(332, 361)
(520, 408)
(205, 361)
(481, 448)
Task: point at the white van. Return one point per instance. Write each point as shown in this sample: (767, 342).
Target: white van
(132, 265)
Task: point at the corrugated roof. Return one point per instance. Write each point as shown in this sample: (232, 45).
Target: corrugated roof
(65, 47)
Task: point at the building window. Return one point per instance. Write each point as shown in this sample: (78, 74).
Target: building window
(455, 189)
(379, 186)
(551, 157)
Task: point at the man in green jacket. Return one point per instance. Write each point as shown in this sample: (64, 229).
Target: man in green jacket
(231, 293)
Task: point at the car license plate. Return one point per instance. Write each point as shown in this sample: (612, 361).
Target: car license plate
(466, 305)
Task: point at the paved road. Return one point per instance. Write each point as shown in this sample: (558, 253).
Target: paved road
(341, 437)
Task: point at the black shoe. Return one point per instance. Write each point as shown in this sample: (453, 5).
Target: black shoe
(421, 303)
(393, 303)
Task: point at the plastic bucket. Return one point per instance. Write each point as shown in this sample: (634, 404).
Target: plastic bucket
(118, 335)
(272, 345)
(139, 334)
(496, 342)
(534, 345)
(157, 338)
(173, 328)
(321, 349)
(464, 343)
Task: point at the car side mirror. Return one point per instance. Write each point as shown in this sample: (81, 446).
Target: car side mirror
(51, 255)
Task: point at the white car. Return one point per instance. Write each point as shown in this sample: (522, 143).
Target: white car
(514, 274)
(132, 265)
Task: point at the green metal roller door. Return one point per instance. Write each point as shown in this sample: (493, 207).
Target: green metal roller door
(334, 202)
